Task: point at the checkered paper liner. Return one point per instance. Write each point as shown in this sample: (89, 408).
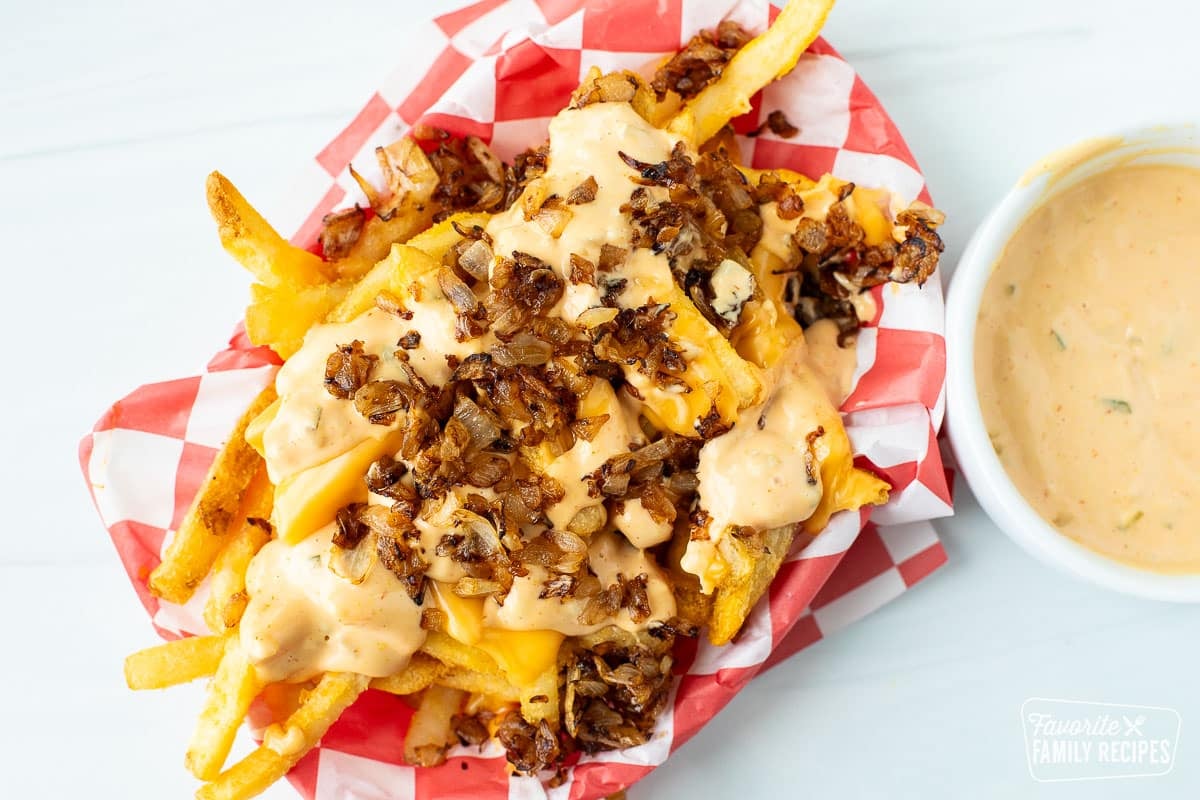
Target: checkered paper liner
(500, 69)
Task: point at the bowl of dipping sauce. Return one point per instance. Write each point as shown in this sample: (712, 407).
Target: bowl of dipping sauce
(1073, 347)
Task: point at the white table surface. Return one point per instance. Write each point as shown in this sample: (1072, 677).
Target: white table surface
(112, 114)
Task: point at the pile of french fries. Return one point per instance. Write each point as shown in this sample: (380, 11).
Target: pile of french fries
(238, 510)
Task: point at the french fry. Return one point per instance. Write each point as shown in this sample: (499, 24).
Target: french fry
(438, 240)
(479, 683)
(430, 733)
(233, 688)
(456, 654)
(227, 597)
(403, 265)
(539, 700)
(378, 236)
(765, 58)
(753, 563)
(208, 523)
(716, 375)
(175, 662)
(251, 776)
(767, 327)
(692, 606)
(405, 210)
(279, 317)
(409, 227)
(420, 673)
(250, 239)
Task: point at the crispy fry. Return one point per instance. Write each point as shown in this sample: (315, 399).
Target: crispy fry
(716, 375)
(494, 687)
(456, 654)
(175, 662)
(233, 688)
(231, 482)
(765, 58)
(394, 273)
(251, 776)
(403, 264)
(753, 563)
(378, 237)
(420, 673)
(279, 317)
(539, 700)
(251, 240)
(405, 210)
(441, 237)
(429, 732)
(227, 597)
(692, 606)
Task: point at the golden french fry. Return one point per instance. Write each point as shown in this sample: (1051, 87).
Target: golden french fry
(394, 273)
(279, 317)
(377, 237)
(286, 744)
(430, 733)
(767, 328)
(539, 700)
(765, 58)
(494, 687)
(438, 240)
(456, 654)
(227, 597)
(231, 482)
(845, 486)
(753, 562)
(233, 688)
(716, 375)
(692, 606)
(411, 181)
(420, 673)
(250, 239)
(404, 264)
(175, 662)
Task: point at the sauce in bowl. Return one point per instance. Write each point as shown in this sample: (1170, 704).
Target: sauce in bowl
(1087, 362)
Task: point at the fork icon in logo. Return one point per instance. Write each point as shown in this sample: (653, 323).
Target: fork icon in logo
(1134, 726)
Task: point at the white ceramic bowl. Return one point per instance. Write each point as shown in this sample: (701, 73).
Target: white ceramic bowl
(968, 436)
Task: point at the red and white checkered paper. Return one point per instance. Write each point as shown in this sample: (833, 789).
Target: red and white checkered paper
(500, 69)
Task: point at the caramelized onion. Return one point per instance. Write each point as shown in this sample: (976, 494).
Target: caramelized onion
(457, 292)
(476, 260)
(552, 219)
(482, 426)
(522, 350)
(597, 316)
